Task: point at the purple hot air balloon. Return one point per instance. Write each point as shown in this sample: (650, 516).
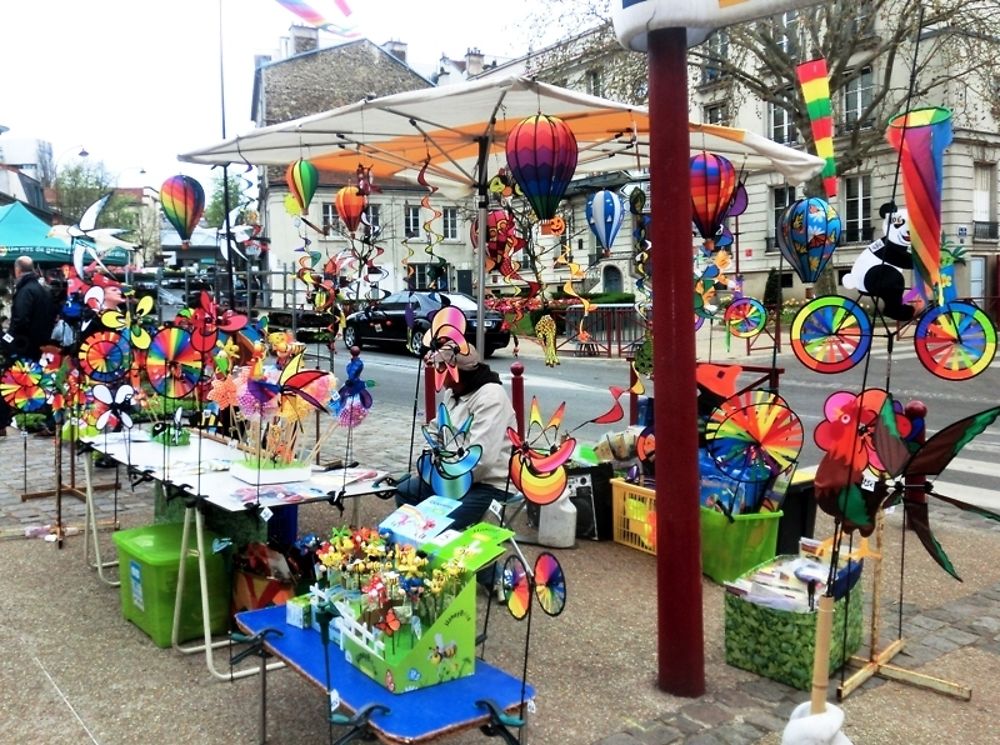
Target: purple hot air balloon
(541, 154)
(605, 213)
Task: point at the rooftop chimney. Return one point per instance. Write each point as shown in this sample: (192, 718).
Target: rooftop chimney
(396, 48)
(473, 62)
(304, 39)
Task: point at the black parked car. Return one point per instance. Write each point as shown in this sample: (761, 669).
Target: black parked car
(386, 322)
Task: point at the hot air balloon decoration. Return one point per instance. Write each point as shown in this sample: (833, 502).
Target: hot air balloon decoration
(183, 202)
(713, 184)
(808, 233)
(302, 178)
(605, 213)
(542, 154)
(351, 204)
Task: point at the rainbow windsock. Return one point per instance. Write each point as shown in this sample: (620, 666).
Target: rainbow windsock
(816, 92)
(920, 137)
(314, 17)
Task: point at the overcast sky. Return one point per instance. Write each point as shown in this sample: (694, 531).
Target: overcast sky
(137, 82)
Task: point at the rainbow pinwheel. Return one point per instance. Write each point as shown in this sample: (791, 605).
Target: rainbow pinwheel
(447, 466)
(754, 436)
(21, 386)
(173, 365)
(105, 356)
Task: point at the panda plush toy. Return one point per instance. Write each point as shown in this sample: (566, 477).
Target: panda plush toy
(878, 270)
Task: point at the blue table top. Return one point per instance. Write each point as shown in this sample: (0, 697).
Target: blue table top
(414, 716)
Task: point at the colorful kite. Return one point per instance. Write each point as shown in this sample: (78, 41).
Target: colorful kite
(816, 92)
(920, 137)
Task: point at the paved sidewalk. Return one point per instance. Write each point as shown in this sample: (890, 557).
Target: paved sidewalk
(74, 671)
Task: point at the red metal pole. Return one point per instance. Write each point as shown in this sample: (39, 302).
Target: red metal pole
(517, 394)
(633, 398)
(429, 398)
(680, 626)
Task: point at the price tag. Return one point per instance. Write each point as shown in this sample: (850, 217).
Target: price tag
(266, 514)
(868, 482)
(531, 706)
(334, 699)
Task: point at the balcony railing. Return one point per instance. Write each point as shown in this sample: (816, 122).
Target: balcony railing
(989, 231)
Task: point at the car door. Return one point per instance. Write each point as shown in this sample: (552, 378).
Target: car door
(380, 320)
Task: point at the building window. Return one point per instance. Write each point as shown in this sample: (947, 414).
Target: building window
(984, 215)
(595, 84)
(857, 209)
(861, 23)
(858, 94)
(717, 52)
(715, 114)
(781, 198)
(374, 215)
(449, 219)
(788, 23)
(782, 126)
(331, 219)
(411, 221)
(429, 276)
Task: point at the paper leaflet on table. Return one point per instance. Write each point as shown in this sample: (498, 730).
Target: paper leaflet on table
(410, 525)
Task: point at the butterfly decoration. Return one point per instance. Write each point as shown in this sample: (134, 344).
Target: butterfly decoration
(447, 466)
(907, 461)
(390, 623)
(131, 327)
(293, 381)
(537, 464)
(115, 407)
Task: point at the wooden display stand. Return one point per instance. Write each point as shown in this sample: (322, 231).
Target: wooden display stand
(878, 660)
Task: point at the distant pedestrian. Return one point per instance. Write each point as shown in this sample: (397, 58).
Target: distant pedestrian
(32, 316)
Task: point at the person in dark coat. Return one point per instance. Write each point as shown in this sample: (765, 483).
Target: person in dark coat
(32, 316)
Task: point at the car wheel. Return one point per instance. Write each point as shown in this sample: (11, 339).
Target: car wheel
(351, 338)
(490, 351)
(414, 344)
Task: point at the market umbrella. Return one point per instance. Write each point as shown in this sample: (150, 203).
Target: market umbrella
(24, 234)
(460, 132)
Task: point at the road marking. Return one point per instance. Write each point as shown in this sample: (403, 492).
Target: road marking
(986, 498)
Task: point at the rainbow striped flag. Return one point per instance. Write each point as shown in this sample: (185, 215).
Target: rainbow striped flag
(812, 77)
(920, 137)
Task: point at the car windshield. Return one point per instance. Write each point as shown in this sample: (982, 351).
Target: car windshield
(462, 302)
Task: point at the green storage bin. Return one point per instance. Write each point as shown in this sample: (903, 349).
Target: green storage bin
(780, 644)
(149, 559)
(729, 549)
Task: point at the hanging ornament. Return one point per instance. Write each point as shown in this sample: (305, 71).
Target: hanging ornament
(807, 236)
(605, 213)
(351, 204)
(713, 183)
(302, 179)
(183, 202)
(542, 154)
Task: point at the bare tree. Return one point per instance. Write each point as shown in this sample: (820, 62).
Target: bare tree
(957, 61)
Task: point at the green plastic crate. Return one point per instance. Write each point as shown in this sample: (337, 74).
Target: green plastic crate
(149, 559)
(731, 548)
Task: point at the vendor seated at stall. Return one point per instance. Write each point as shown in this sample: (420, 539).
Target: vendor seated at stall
(477, 391)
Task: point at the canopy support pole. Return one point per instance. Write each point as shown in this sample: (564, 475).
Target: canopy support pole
(680, 647)
(483, 192)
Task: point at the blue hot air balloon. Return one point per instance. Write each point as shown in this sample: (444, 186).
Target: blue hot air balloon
(605, 212)
(807, 236)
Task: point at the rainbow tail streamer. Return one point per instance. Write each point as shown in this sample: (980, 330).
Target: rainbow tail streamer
(920, 137)
(816, 92)
(307, 13)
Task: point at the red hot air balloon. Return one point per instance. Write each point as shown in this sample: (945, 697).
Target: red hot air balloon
(183, 201)
(302, 179)
(541, 154)
(713, 183)
(350, 204)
